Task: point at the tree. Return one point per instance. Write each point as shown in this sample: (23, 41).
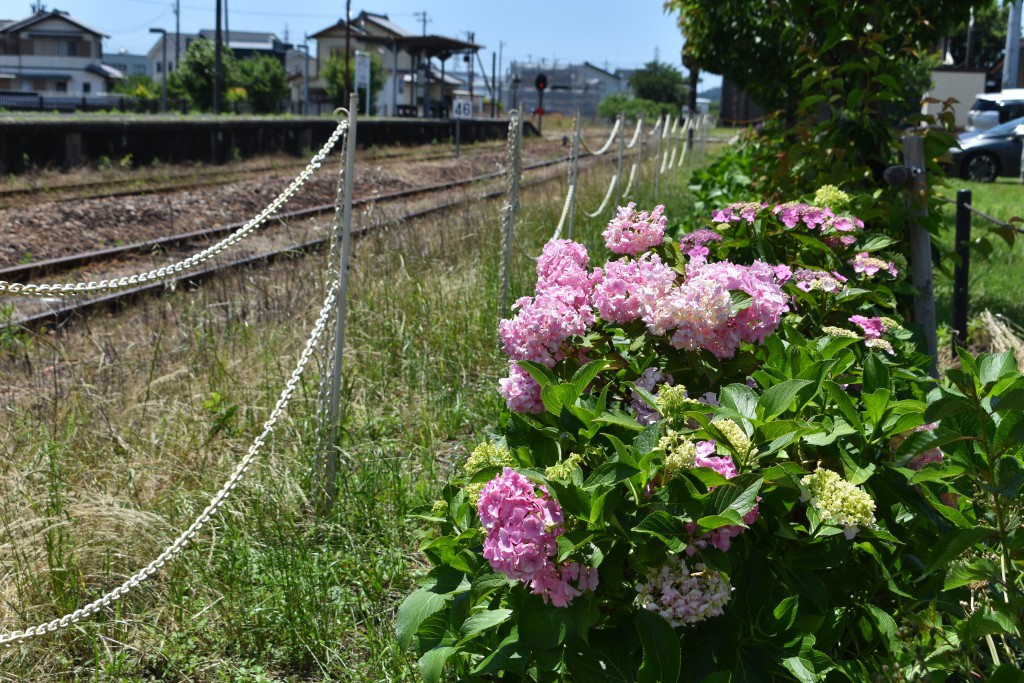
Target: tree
(265, 83)
(194, 78)
(988, 40)
(140, 86)
(334, 74)
(621, 103)
(767, 47)
(659, 83)
(843, 74)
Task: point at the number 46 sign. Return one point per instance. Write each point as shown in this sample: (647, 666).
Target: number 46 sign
(462, 109)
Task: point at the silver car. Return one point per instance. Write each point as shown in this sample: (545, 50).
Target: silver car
(986, 155)
(991, 109)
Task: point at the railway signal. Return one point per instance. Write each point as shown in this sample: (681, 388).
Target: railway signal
(541, 82)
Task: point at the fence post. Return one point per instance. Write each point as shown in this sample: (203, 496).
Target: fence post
(332, 447)
(960, 271)
(574, 171)
(657, 158)
(921, 247)
(508, 219)
(618, 172)
(640, 154)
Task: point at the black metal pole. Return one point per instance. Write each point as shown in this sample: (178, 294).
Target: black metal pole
(960, 271)
(218, 74)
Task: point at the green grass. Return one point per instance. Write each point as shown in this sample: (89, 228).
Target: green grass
(115, 433)
(996, 275)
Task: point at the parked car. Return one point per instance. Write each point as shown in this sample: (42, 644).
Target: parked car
(991, 109)
(986, 155)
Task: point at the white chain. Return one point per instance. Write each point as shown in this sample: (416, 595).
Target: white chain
(569, 197)
(80, 288)
(173, 550)
(607, 196)
(611, 137)
(636, 134)
(629, 183)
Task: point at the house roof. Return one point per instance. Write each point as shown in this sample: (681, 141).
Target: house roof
(340, 26)
(383, 22)
(597, 68)
(240, 37)
(17, 26)
(106, 71)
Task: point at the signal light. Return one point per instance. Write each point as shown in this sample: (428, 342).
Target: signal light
(541, 82)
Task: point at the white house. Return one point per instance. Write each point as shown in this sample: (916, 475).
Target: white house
(52, 52)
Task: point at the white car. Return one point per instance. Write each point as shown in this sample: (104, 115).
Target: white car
(992, 109)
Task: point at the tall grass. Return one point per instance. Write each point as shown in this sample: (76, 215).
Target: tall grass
(996, 279)
(115, 432)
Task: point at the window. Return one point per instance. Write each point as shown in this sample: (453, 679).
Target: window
(87, 88)
(67, 48)
(62, 86)
(138, 69)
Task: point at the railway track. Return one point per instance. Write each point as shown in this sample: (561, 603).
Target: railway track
(108, 188)
(65, 309)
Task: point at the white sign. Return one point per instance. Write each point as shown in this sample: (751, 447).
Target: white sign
(462, 109)
(362, 69)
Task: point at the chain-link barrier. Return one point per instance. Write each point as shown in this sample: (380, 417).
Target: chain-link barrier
(166, 272)
(175, 548)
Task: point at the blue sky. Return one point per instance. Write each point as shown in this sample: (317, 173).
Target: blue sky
(619, 34)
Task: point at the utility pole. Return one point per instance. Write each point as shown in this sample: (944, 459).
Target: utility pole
(163, 81)
(348, 48)
(1011, 57)
(305, 75)
(177, 33)
(218, 73)
(501, 46)
(422, 18)
(471, 54)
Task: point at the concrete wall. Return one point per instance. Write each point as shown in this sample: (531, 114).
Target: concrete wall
(66, 143)
(963, 86)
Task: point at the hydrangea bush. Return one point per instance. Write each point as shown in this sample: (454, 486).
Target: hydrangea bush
(722, 459)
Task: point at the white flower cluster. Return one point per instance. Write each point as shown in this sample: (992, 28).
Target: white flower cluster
(839, 501)
(680, 451)
(683, 597)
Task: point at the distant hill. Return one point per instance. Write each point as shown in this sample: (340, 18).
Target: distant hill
(713, 94)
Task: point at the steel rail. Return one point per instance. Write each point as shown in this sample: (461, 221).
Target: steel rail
(114, 301)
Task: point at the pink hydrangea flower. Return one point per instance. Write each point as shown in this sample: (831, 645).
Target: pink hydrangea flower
(698, 314)
(793, 213)
(631, 232)
(817, 280)
(521, 391)
(721, 537)
(873, 327)
(543, 324)
(522, 525)
(623, 290)
(739, 211)
(693, 244)
(564, 263)
(869, 265)
(782, 272)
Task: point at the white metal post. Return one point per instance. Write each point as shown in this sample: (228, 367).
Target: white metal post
(333, 447)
